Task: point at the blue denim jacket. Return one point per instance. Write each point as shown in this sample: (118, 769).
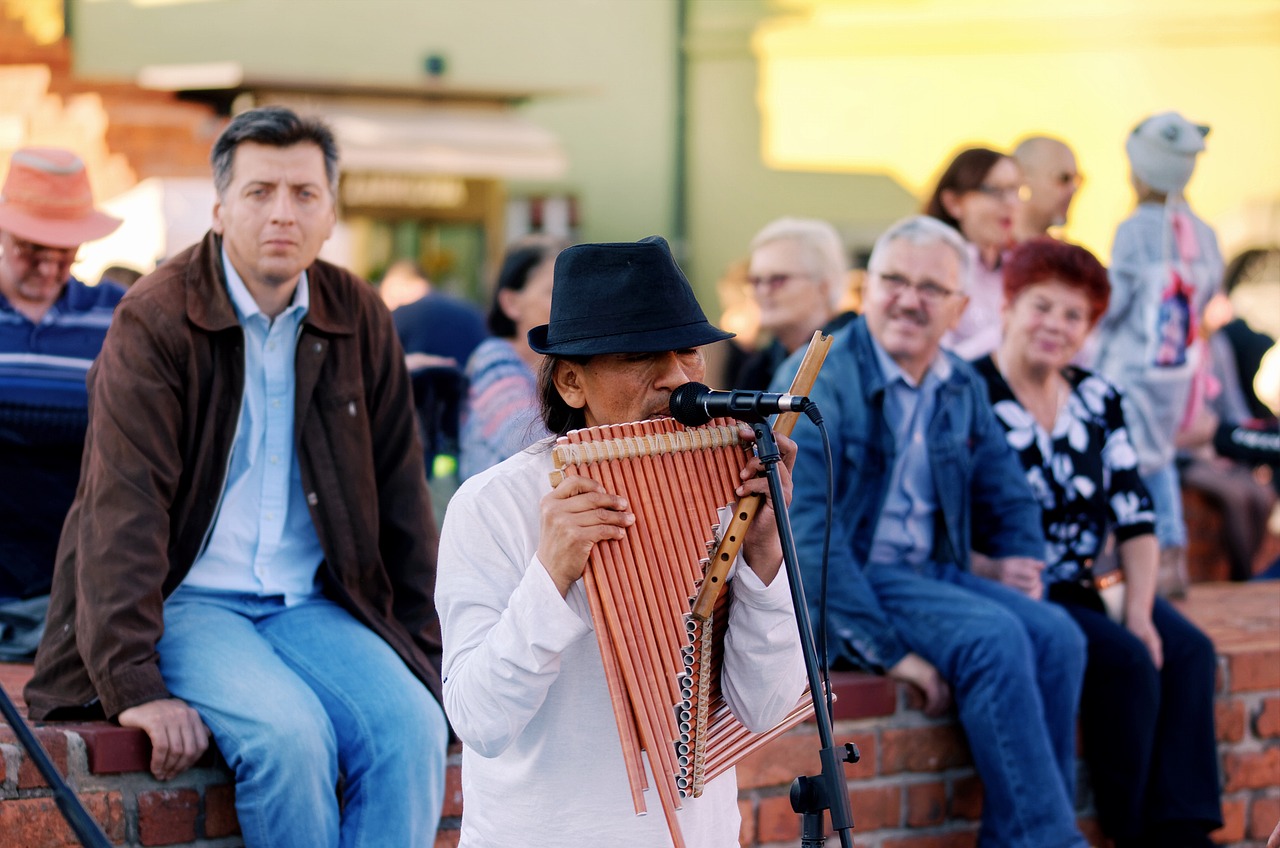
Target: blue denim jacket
(980, 488)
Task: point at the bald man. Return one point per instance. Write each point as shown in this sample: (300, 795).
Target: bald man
(1049, 169)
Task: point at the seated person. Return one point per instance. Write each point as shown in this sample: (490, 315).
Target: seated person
(542, 762)
(437, 325)
(501, 412)
(1229, 428)
(1147, 707)
(51, 329)
(251, 551)
(922, 475)
(798, 275)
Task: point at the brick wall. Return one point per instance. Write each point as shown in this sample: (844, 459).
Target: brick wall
(913, 788)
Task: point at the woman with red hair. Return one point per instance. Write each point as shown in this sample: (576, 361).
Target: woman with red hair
(1147, 706)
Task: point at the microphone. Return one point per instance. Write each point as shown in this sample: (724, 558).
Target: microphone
(693, 404)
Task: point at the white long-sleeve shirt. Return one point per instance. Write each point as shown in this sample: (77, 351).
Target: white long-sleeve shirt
(524, 685)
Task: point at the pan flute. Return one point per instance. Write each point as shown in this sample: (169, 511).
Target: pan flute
(662, 663)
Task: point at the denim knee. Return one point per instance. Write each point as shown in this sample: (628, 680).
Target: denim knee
(286, 750)
(1065, 645)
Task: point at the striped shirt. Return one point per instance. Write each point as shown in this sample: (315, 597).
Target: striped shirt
(43, 415)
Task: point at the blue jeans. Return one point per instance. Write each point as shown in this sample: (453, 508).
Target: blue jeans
(298, 697)
(1016, 668)
(1166, 497)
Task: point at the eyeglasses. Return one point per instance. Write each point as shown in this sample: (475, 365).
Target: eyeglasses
(772, 282)
(38, 254)
(928, 291)
(1008, 194)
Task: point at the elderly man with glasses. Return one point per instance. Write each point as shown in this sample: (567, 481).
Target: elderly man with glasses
(51, 329)
(922, 475)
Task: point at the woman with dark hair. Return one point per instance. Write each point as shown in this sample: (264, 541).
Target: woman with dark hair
(978, 194)
(501, 416)
(1147, 706)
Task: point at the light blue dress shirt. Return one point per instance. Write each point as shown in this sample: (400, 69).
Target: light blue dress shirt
(904, 531)
(262, 540)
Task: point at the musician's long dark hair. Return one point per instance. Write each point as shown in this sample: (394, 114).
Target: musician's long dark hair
(558, 416)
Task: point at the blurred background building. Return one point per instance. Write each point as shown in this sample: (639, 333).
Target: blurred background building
(466, 123)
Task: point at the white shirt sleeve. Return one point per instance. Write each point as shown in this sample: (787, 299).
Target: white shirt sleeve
(504, 623)
(764, 673)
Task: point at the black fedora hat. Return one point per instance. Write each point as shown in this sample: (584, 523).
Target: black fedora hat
(626, 297)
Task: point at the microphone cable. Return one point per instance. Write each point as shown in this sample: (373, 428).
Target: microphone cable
(812, 412)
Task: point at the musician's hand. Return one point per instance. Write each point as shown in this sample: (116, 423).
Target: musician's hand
(178, 736)
(575, 515)
(762, 549)
(918, 671)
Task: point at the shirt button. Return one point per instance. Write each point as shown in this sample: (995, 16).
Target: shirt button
(270, 516)
(275, 404)
(271, 346)
(275, 459)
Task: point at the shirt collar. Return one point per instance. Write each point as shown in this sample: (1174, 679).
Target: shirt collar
(939, 369)
(243, 301)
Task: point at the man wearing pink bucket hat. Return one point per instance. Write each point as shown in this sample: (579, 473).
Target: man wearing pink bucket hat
(51, 329)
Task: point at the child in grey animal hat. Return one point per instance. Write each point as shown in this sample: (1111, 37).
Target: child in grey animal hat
(1165, 265)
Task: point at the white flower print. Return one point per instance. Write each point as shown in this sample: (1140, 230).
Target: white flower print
(1093, 390)
(1022, 427)
(1118, 453)
(1084, 486)
(1128, 508)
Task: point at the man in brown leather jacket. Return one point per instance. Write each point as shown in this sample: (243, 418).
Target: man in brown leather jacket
(251, 552)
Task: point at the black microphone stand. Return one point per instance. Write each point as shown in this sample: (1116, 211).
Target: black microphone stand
(810, 795)
(86, 829)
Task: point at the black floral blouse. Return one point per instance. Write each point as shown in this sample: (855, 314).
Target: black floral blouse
(1084, 474)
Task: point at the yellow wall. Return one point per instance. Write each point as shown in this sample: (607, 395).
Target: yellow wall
(900, 86)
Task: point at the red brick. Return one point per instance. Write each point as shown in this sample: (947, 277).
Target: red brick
(876, 807)
(167, 816)
(220, 811)
(926, 804)
(37, 822)
(747, 830)
(1254, 671)
(953, 839)
(1232, 829)
(930, 748)
(54, 743)
(452, 792)
(860, 695)
(115, 750)
(1264, 817)
(776, 821)
(1251, 769)
(1228, 719)
(796, 754)
(1266, 724)
(780, 762)
(966, 798)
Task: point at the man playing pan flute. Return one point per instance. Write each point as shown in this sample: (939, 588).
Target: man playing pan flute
(524, 685)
